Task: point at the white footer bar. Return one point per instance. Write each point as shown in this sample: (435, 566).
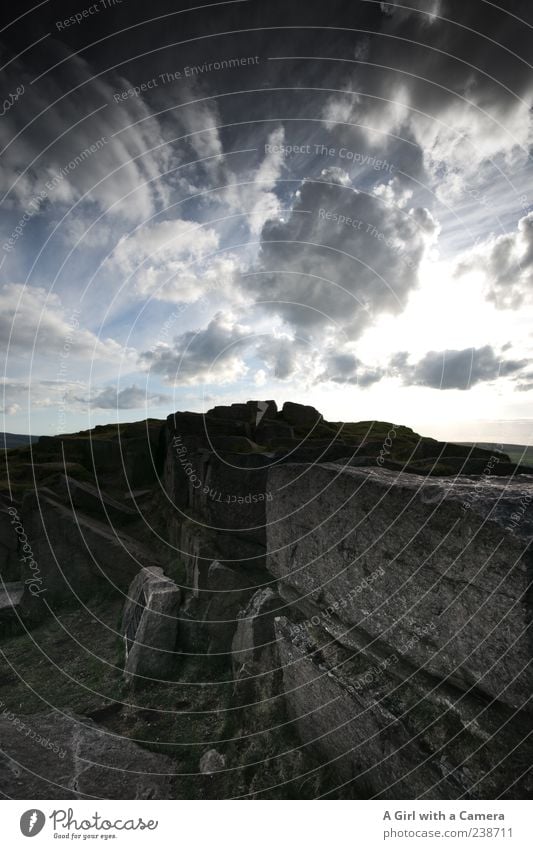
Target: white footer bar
(268, 824)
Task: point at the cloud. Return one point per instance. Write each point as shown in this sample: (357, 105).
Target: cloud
(346, 368)
(285, 357)
(10, 409)
(125, 172)
(506, 263)
(32, 319)
(437, 108)
(167, 261)
(17, 395)
(71, 395)
(213, 354)
(455, 369)
(129, 398)
(341, 258)
(259, 198)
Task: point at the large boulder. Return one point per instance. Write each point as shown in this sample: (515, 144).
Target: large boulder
(150, 627)
(268, 431)
(94, 501)
(189, 441)
(264, 411)
(73, 556)
(229, 591)
(10, 610)
(233, 495)
(255, 629)
(64, 756)
(404, 648)
(234, 412)
(300, 415)
(393, 554)
(393, 731)
(9, 544)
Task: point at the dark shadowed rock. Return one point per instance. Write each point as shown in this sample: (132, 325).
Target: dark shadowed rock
(58, 756)
(263, 410)
(89, 499)
(268, 431)
(73, 555)
(234, 412)
(300, 415)
(375, 618)
(236, 444)
(10, 610)
(229, 591)
(255, 629)
(9, 555)
(234, 495)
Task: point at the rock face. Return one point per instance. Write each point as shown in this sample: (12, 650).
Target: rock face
(127, 455)
(55, 756)
(300, 415)
(10, 609)
(212, 761)
(84, 497)
(9, 557)
(401, 596)
(312, 609)
(74, 555)
(255, 630)
(227, 596)
(150, 627)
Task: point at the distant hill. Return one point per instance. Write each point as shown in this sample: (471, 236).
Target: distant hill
(16, 440)
(522, 454)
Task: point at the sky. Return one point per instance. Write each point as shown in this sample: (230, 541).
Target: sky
(329, 203)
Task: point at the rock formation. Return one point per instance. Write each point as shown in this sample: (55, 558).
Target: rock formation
(287, 607)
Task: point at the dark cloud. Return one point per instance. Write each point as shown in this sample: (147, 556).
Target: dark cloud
(66, 146)
(455, 369)
(211, 355)
(283, 357)
(450, 79)
(342, 256)
(129, 398)
(345, 368)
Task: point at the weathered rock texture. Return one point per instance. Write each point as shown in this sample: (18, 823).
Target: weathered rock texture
(150, 627)
(55, 756)
(312, 608)
(407, 657)
(76, 555)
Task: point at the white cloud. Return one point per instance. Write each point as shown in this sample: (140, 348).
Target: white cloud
(124, 173)
(32, 319)
(166, 261)
(506, 264)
